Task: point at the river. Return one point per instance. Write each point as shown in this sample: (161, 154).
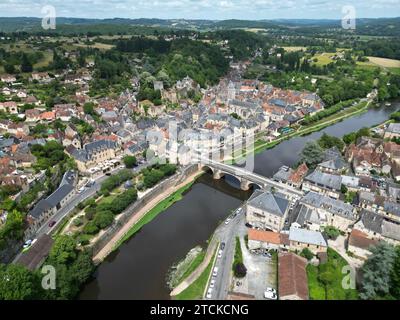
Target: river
(137, 270)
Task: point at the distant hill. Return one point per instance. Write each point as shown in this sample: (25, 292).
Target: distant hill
(381, 26)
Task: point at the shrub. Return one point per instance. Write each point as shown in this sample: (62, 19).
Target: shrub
(331, 232)
(239, 270)
(77, 222)
(89, 213)
(103, 219)
(90, 228)
(306, 253)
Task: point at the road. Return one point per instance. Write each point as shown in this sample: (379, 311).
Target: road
(78, 198)
(227, 234)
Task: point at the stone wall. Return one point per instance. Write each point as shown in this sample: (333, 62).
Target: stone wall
(139, 204)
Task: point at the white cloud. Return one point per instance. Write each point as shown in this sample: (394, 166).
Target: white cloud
(205, 9)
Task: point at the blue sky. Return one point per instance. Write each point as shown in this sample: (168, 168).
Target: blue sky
(202, 9)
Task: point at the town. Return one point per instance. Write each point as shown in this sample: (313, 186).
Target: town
(91, 152)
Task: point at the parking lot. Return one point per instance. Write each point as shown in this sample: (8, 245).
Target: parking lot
(261, 274)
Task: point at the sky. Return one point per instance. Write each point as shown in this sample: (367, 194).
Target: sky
(202, 9)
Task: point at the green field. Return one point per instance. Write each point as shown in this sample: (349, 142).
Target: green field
(325, 280)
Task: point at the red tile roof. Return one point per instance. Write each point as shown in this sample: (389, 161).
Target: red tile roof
(292, 276)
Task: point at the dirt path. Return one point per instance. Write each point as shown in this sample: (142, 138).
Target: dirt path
(106, 250)
(196, 274)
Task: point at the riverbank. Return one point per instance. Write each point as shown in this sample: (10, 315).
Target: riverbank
(194, 288)
(159, 203)
(154, 212)
(260, 145)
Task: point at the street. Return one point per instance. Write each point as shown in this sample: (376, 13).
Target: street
(226, 233)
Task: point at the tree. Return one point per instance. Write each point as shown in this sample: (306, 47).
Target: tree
(343, 189)
(18, 283)
(395, 276)
(377, 271)
(26, 65)
(327, 142)
(331, 232)
(312, 154)
(240, 270)
(103, 219)
(130, 161)
(63, 250)
(306, 253)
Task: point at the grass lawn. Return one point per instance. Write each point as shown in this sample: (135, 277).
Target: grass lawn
(192, 266)
(196, 289)
(153, 213)
(325, 281)
(324, 58)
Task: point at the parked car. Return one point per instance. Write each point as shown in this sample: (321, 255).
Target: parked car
(222, 245)
(52, 223)
(227, 221)
(270, 295)
(215, 272)
(220, 254)
(212, 283)
(27, 244)
(209, 293)
(267, 254)
(80, 190)
(271, 290)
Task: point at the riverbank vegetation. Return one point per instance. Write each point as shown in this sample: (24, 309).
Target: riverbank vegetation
(185, 268)
(196, 290)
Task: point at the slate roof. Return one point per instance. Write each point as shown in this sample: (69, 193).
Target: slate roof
(394, 128)
(325, 179)
(337, 207)
(42, 206)
(334, 164)
(307, 236)
(380, 225)
(271, 203)
(57, 196)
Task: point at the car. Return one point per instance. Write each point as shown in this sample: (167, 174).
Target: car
(212, 283)
(270, 290)
(215, 272)
(248, 225)
(227, 221)
(209, 293)
(80, 190)
(220, 254)
(267, 254)
(52, 223)
(27, 244)
(270, 295)
(222, 245)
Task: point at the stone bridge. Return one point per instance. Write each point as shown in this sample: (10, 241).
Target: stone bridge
(247, 178)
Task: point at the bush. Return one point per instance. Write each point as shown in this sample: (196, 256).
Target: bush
(130, 161)
(90, 228)
(89, 213)
(77, 222)
(331, 232)
(306, 253)
(103, 219)
(239, 270)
